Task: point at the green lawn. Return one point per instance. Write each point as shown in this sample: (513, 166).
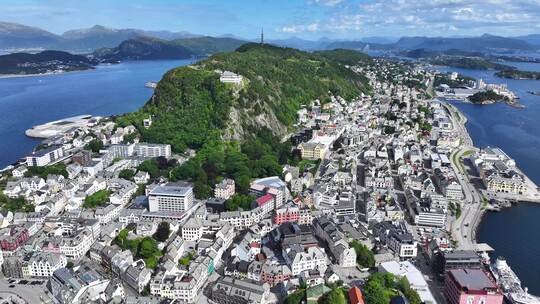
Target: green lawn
(97, 199)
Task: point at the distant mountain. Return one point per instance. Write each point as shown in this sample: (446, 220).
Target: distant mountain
(480, 44)
(379, 40)
(302, 44)
(352, 45)
(16, 36)
(533, 39)
(43, 62)
(13, 35)
(143, 48)
(99, 36)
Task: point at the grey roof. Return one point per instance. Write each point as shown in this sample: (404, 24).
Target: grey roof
(472, 279)
(171, 190)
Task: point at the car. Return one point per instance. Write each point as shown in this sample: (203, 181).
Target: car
(11, 286)
(467, 225)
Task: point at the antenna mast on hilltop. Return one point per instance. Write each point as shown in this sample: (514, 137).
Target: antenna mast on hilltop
(262, 35)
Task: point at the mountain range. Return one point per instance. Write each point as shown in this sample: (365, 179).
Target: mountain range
(17, 36)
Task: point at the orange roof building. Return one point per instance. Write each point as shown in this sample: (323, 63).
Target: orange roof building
(355, 296)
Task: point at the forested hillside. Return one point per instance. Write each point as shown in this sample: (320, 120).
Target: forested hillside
(190, 104)
(237, 128)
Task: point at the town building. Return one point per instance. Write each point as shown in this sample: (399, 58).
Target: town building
(170, 197)
(45, 156)
(466, 285)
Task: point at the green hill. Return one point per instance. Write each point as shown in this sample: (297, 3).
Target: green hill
(209, 45)
(191, 106)
(143, 48)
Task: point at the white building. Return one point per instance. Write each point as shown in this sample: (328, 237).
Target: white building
(171, 197)
(225, 189)
(152, 150)
(230, 77)
(45, 157)
(43, 264)
(300, 260)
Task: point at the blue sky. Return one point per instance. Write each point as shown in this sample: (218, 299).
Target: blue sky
(311, 19)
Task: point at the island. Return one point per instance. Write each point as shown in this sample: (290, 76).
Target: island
(46, 62)
(472, 63)
(518, 74)
(486, 97)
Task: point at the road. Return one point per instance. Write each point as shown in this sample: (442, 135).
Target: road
(463, 229)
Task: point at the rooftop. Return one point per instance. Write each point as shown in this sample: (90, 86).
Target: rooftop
(171, 190)
(472, 279)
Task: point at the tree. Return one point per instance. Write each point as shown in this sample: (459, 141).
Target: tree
(239, 201)
(295, 297)
(412, 295)
(18, 204)
(151, 167)
(334, 296)
(126, 174)
(375, 293)
(94, 145)
(364, 256)
(163, 231)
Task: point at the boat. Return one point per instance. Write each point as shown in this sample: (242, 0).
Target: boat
(151, 84)
(534, 93)
(510, 283)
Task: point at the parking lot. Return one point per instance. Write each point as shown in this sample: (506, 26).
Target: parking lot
(22, 290)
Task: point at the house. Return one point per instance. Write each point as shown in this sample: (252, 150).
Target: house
(312, 151)
(225, 189)
(228, 290)
(141, 177)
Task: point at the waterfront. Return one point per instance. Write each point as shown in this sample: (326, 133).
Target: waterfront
(107, 90)
(516, 132)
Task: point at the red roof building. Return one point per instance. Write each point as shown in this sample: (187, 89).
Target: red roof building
(356, 296)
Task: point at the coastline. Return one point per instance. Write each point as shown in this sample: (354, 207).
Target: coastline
(7, 76)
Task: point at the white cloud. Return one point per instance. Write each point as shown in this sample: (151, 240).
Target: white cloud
(431, 18)
(327, 2)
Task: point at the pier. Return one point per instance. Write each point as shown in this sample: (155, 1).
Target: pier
(58, 127)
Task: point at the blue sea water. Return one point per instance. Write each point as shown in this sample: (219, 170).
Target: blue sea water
(107, 90)
(513, 232)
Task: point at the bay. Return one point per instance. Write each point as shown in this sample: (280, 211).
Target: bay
(106, 90)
